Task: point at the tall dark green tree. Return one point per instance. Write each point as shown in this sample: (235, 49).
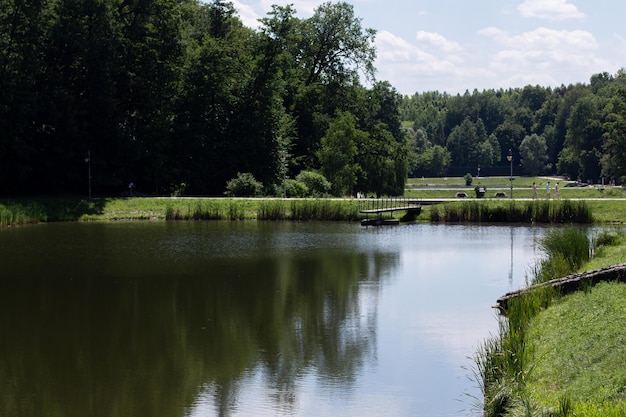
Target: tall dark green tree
(24, 31)
(534, 154)
(217, 71)
(337, 155)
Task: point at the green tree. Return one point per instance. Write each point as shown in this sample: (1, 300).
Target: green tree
(614, 158)
(533, 151)
(383, 163)
(569, 164)
(209, 136)
(333, 44)
(338, 151)
(433, 162)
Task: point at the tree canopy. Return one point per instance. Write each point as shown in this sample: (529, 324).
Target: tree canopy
(179, 96)
(571, 130)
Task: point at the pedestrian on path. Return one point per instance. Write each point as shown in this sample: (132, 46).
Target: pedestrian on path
(556, 190)
(548, 190)
(534, 190)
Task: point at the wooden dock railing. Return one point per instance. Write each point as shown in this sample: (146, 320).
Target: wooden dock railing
(387, 205)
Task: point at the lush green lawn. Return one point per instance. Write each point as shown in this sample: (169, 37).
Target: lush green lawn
(578, 353)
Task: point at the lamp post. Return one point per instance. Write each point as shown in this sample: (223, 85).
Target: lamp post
(88, 160)
(509, 157)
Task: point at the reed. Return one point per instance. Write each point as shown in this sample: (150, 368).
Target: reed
(324, 209)
(13, 214)
(537, 211)
(502, 362)
(569, 246)
(272, 210)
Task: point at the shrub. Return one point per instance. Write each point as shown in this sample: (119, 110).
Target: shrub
(297, 189)
(317, 184)
(244, 185)
(468, 179)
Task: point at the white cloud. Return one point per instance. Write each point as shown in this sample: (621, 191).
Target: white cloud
(247, 14)
(550, 9)
(438, 41)
(393, 49)
(545, 39)
(542, 56)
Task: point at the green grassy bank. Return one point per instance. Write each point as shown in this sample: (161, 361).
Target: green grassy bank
(23, 211)
(559, 355)
(36, 210)
(603, 204)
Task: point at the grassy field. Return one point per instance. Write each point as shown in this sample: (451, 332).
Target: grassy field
(607, 204)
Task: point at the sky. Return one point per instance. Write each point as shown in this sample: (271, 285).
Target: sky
(458, 45)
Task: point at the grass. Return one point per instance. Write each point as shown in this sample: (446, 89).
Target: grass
(511, 211)
(73, 209)
(560, 356)
(522, 188)
(605, 203)
(579, 350)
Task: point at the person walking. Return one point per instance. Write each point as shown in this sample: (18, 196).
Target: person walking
(556, 190)
(548, 190)
(534, 190)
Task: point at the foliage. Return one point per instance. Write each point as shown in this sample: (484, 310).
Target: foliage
(244, 185)
(316, 184)
(166, 92)
(534, 153)
(582, 126)
(295, 188)
(432, 163)
(468, 179)
(338, 151)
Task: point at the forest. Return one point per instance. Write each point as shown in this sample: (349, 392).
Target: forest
(576, 131)
(180, 98)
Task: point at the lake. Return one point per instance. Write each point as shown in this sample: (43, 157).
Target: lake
(193, 319)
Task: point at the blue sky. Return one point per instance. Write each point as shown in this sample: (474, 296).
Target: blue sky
(458, 45)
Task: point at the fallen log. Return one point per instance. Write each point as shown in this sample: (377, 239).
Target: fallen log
(570, 283)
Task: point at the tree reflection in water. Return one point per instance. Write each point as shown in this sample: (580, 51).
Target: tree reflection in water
(156, 344)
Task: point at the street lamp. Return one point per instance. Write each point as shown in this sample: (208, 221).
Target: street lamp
(509, 158)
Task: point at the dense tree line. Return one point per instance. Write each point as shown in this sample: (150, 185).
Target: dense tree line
(576, 131)
(179, 96)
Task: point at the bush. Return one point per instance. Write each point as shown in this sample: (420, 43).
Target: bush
(317, 184)
(296, 189)
(468, 179)
(244, 185)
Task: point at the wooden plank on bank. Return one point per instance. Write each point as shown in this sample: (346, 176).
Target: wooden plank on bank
(570, 283)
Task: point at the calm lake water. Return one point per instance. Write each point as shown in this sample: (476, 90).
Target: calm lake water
(193, 319)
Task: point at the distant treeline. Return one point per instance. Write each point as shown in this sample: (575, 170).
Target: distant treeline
(577, 131)
(178, 96)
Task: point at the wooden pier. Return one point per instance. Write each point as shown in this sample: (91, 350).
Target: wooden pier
(379, 206)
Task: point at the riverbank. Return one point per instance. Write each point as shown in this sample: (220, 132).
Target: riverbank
(559, 355)
(54, 209)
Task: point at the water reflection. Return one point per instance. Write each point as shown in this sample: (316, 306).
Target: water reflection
(246, 318)
(96, 325)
